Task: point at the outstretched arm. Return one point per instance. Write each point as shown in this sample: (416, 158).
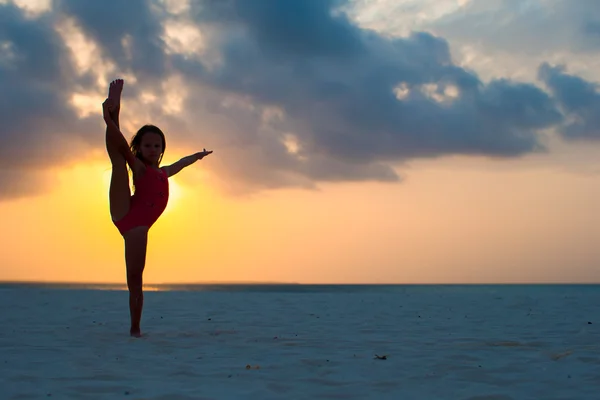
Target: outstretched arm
(185, 162)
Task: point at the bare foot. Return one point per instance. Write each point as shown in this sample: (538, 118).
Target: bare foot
(114, 93)
(135, 332)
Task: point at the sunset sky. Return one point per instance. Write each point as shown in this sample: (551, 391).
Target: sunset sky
(358, 141)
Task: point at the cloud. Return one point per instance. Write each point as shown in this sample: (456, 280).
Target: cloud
(22, 184)
(592, 28)
(579, 99)
(113, 23)
(298, 28)
(523, 26)
(32, 107)
(286, 93)
(343, 104)
(512, 38)
(505, 38)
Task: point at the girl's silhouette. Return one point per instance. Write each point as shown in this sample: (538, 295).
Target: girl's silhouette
(134, 215)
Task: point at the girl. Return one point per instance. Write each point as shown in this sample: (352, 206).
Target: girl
(134, 215)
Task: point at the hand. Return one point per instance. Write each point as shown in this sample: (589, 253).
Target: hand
(203, 154)
(107, 107)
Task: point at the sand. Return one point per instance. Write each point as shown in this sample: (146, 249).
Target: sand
(440, 342)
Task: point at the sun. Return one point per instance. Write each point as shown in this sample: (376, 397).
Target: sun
(175, 194)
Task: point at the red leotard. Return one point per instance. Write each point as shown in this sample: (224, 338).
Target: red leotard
(148, 201)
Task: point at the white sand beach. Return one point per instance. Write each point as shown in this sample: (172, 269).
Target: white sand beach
(441, 342)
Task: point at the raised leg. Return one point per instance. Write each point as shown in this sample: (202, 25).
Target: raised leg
(119, 192)
(136, 242)
(114, 92)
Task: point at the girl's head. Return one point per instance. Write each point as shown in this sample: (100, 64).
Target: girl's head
(149, 144)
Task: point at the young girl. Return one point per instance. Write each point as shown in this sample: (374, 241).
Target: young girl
(134, 215)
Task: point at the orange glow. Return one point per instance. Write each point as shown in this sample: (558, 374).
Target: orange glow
(446, 223)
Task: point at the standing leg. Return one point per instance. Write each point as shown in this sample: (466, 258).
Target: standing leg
(136, 242)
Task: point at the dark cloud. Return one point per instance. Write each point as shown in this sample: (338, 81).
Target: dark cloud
(299, 28)
(579, 99)
(33, 51)
(33, 105)
(592, 29)
(109, 22)
(335, 85)
(344, 106)
(40, 127)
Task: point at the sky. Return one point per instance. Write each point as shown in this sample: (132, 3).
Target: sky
(355, 141)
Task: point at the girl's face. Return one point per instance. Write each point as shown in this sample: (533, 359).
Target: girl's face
(151, 147)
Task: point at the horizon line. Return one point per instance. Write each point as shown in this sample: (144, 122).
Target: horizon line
(149, 284)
